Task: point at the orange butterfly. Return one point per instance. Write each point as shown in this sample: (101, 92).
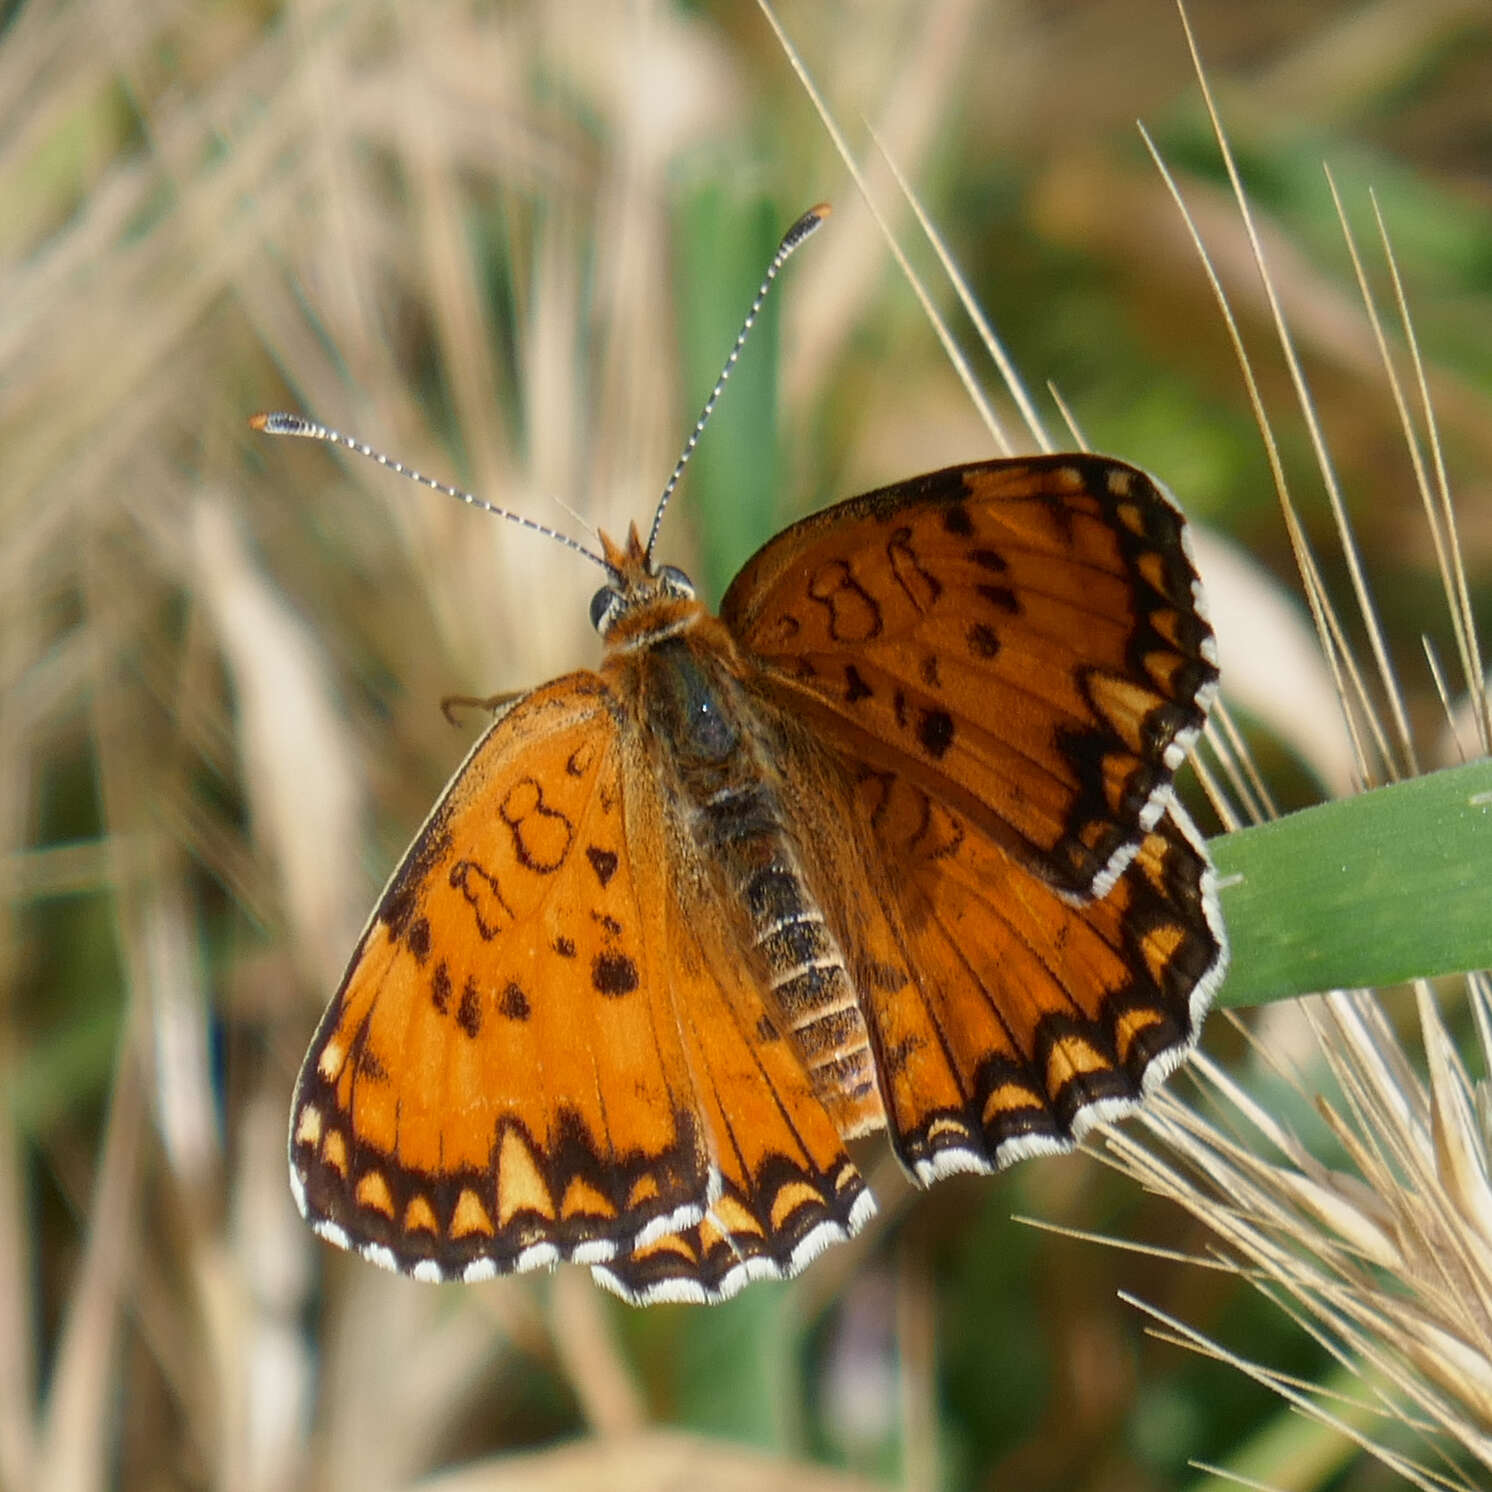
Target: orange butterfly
(890, 842)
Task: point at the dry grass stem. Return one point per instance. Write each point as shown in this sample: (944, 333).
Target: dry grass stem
(473, 236)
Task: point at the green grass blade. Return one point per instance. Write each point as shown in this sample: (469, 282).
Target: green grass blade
(724, 244)
(1393, 884)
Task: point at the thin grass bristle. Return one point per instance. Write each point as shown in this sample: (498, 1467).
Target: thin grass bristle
(1384, 1254)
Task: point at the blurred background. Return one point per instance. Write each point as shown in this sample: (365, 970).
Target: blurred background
(511, 244)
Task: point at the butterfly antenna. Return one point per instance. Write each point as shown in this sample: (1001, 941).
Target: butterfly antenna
(280, 423)
(790, 241)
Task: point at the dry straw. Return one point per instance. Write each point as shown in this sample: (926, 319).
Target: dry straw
(451, 228)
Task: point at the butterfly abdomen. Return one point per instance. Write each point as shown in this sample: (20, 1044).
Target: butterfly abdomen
(798, 958)
(737, 821)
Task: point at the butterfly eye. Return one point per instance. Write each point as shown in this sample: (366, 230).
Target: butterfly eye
(675, 580)
(601, 605)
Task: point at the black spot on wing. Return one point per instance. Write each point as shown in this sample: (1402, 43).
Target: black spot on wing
(440, 988)
(401, 900)
(417, 939)
(469, 1012)
(1002, 598)
(984, 642)
(513, 1003)
(935, 732)
(368, 1066)
(613, 974)
(398, 908)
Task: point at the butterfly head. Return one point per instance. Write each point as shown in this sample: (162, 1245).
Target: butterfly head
(636, 584)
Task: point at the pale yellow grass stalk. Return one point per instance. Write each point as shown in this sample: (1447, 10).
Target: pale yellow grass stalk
(1384, 1252)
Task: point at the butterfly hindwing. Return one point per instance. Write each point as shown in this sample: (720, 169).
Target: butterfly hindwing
(1029, 1017)
(1022, 638)
(785, 1186)
(1004, 1015)
(500, 1081)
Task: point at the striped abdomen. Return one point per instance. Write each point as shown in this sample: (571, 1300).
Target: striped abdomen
(801, 963)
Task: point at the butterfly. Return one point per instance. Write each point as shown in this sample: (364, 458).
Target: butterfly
(890, 843)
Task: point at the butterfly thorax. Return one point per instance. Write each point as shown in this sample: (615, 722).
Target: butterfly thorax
(709, 737)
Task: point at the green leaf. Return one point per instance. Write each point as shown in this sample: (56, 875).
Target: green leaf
(1393, 884)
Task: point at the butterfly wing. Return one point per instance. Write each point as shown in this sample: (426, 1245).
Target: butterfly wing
(1022, 639)
(1004, 1016)
(543, 1050)
(1003, 664)
(1025, 1017)
(787, 1189)
(500, 1081)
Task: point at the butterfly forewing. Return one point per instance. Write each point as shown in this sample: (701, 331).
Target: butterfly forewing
(1023, 639)
(501, 1080)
